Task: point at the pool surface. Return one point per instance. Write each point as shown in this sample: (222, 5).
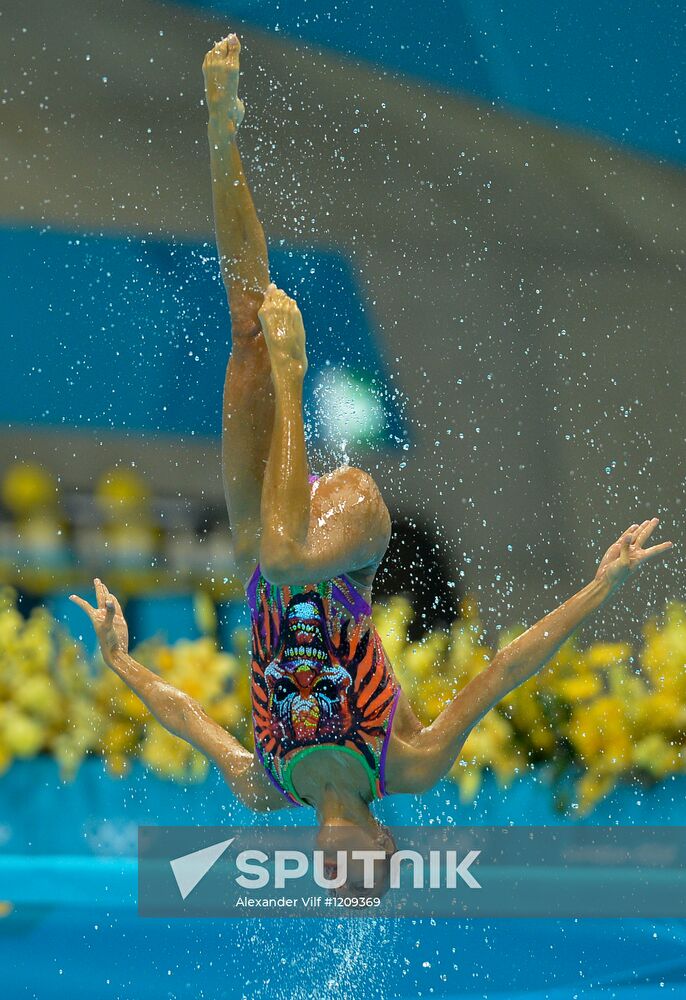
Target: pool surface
(67, 860)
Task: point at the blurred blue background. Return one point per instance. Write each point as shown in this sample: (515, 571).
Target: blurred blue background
(135, 333)
(613, 69)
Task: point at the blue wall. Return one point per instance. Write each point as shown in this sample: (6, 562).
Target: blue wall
(134, 334)
(615, 69)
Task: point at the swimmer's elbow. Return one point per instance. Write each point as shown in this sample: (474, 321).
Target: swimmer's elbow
(250, 795)
(243, 784)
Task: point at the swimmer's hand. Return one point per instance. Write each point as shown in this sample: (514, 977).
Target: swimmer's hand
(220, 69)
(108, 621)
(625, 555)
(284, 333)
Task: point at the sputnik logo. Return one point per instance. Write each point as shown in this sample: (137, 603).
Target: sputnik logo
(190, 869)
(289, 865)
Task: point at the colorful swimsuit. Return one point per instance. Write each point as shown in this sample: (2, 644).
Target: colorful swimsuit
(320, 678)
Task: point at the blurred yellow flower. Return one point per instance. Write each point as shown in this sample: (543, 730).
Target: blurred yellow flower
(469, 780)
(592, 787)
(586, 685)
(6, 756)
(605, 654)
(21, 735)
(658, 755)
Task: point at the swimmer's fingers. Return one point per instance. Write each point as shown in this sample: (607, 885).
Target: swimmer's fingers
(646, 530)
(101, 591)
(112, 607)
(117, 605)
(624, 547)
(107, 601)
(90, 611)
(655, 550)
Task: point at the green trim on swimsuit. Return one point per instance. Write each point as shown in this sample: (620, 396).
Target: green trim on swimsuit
(290, 762)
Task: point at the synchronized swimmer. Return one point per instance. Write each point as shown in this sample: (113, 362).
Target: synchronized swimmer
(333, 729)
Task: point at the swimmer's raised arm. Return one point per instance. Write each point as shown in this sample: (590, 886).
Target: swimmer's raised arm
(180, 714)
(442, 741)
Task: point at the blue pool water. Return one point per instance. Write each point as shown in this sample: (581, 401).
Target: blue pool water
(67, 860)
(68, 952)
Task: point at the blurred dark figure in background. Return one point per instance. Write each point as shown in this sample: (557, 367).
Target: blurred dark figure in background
(416, 565)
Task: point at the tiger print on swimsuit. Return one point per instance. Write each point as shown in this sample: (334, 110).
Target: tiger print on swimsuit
(320, 676)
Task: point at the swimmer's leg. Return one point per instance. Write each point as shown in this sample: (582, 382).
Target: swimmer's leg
(248, 407)
(309, 536)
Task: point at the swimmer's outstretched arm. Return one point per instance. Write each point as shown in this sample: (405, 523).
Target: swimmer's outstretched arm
(180, 714)
(440, 743)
